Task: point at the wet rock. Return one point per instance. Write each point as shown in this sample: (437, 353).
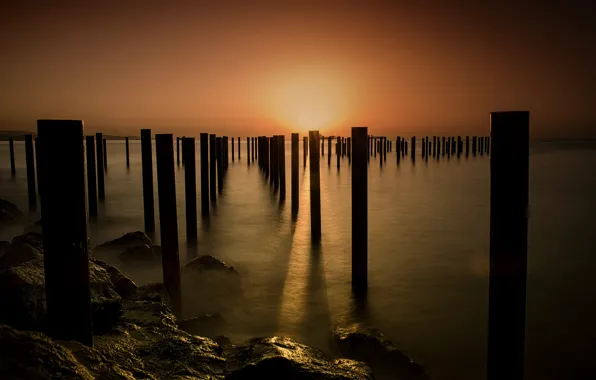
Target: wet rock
(155, 292)
(23, 297)
(35, 239)
(208, 263)
(209, 325)
(123, 285)
(130, 239)
(146, 254)
(283, 358)
(222, 340)
(9, 212)
(370, 346)
(18, 253)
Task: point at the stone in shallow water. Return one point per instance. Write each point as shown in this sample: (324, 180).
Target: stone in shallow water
(131, 239)
(145, 254)
(209, 325)
(34, 239)
(371, 346)
(18, 253)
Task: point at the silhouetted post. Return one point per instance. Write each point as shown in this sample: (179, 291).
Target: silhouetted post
(178, 151)
(101, 188)
(315, 187)
(38, 168)
(453, 146)
(266, 157)
(64, 230)
(219, 160)
(13, 170)
(224, 153)
(322, 145)
(304, 149)
(448, 147)
(338, 150)
(349, 150)
(399, 147)
(105, 155)
(248, 150)
(233, 153)
(375, 147)
(252, 149)
(406, 147)
(488, 139)
(271, 144)
(467, 146)
(474, 145)
(204, 138)
(238, 148)
(168, 219)
(190, 187)
(212, 166)
(359, 209)
(459, 146)
(281, 154)
(30, 161)
(127, 153)
(509, 171)
(295, 195)
(329, 151)
(423, 147)
(147, 170)
(385, 148)
(413, 148)
(91, 176)
(379, 140)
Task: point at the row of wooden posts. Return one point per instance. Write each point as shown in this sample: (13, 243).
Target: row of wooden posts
(64, 218)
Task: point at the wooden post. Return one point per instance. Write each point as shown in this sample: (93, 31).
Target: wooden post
(13, 170)
(359, 209)
(488, 139)
(127, 153)
(399, 148)
(338, 150)
(509, 172)
(238, 148)
(100, 160)
(213, 166)
(459, 146)
(414, 148)
(178, 151)
(38, 168)
(448, 147)
(443, 144)
(423, 147)
(219, 160)
(329, 151)
(248, 150)
(315, 187)
(467, 146)
(252, 150)
(304, 149)
(474, 145)
(64, 231)
(349, 150)
(224, 153)
(295, 194)
(30, 161)
(147, 169)
(281, 154)
(322, 145)
(233, 153)
(105, 155)
(190, 187)
(204, 137)
(168, 219)
(91, 176)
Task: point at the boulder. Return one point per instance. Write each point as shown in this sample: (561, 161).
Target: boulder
(9, 212)
(371, 347)
(131, 239)
(123, 285)
(208, 263)
(141, 254)
(35, 239)
(17, 254)
(222, 340)
(283, 358)
(209, 325)
(23, 297)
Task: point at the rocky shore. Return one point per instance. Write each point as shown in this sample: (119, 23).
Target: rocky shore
(137, 337)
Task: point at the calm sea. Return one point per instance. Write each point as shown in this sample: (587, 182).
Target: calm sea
(428, 253)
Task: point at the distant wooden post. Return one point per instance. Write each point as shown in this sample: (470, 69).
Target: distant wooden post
(30, 161)
(384, 148)
(239, 149)
(178, 151)
(338, 150)
(474, 145)
(252, 150)
(248, 150)
(467, 146)
(413, 148)
(281, 154)
(224, 153)
(190, 187)
(399, 148)
(91, 175)
(359, 209)
(434, 146)
(304, 149)
(459, 146)
(295, 194)
(349, 150)
(448, 147)
(219, 160)
(509, 172)
(101, 187)
(423, 146)
(64, 231)
(233, 153)
(168, 219)
(147, 171)
(13, 170)
(322, 145)
(105, 155)
(329, 151)
(204, 137)
(443, 144)
(488, 139)
(315, 187)
(127, 153)
(213, 166)
(267, 157)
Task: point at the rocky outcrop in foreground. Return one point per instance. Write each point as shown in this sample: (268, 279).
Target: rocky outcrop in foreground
(9, 212)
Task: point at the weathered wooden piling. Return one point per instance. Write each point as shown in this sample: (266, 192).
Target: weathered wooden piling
(338, 151)
(190, 188)
(509, 172)
(488, 139)
(467, 146)
(384, 148)
(413, 148)
(13, 170)
(474, 145)
(100, 161)
(329, 151)
(294, 180)
(168, 219)
(359, 209)
(147, 171)
(423, 146)
(322, 145)
(248, 151)
(30, 162)
(349, 150)
(127, 152)
(224, 153)
(204, 138)
(233, 151)
(105, 155)
(315, 187)
(375, 146)
(252, 149)
(64, 231)
(459, 146)
(399, 147)
(213, 167)
(239, 158)
(304, 149)
(219, 161)
(91, 175)
(281, 155)
(481, 145)
(406, 147)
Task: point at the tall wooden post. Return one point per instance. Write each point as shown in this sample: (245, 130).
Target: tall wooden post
(252, 150)
(359, 209)
(91, 176)
(219, 160)
(349, 150)
(168, 219)
(281, 154)
(322, 145)
(190, 187)
(100, 159)
(127, 153)
(213, 166)
(105, 155)
(233, 153)
(248, 150)
(474, 145)
(467, 146)
(509, 167)
(315, 187)
(295, 194)
(30, 161)
(178, 151)
(204, 174)
(413, 148)
(224, 153)
(338, 151)
(147, 171)
(64, 231)
(13, 170)
(238, 148)
(304, 149)
(329, 151)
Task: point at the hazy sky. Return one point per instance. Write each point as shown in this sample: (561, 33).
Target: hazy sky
(265, 67)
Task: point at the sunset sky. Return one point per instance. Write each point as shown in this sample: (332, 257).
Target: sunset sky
(263, 67)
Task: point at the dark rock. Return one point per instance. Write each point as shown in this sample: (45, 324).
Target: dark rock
(208, 263)
(130, 239)
(370, 346)
(9, 212)
(283, 358)
(209, 325)
(35, 239)
(18, 253)
(222, 340)
(147, 254)
(23, 297)
(3, 247)
(123, 285)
